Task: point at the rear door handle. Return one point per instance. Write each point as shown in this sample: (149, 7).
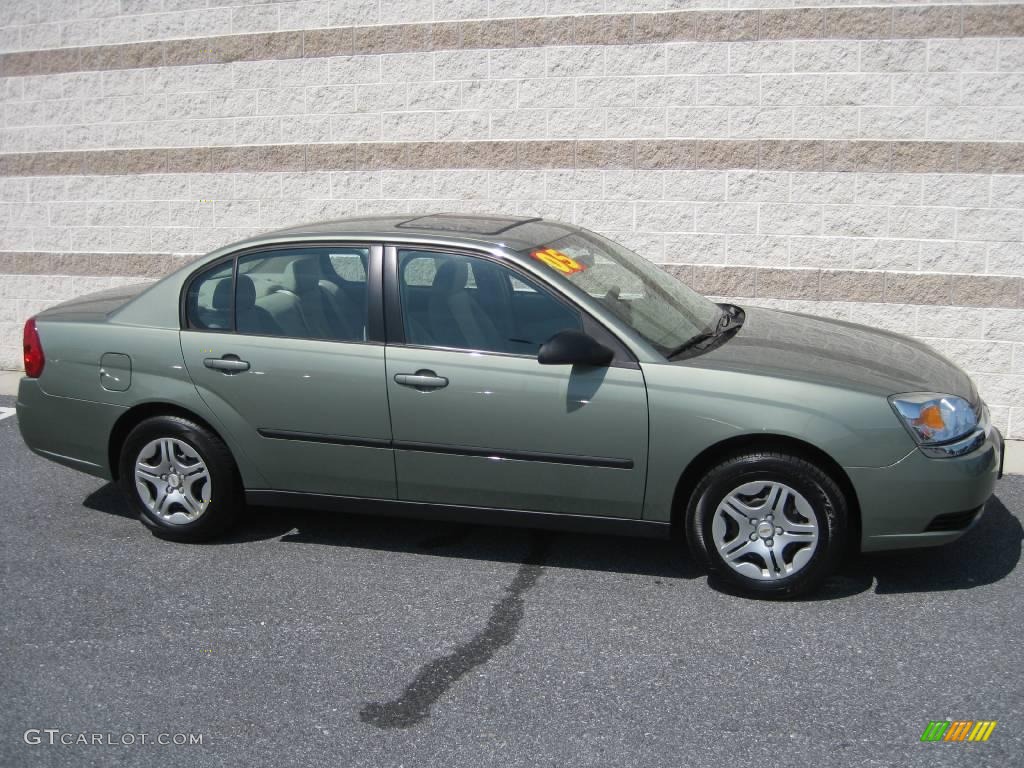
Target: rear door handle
(227, 364)
(421, 380)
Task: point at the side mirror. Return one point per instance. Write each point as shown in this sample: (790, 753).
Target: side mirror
(574, 348)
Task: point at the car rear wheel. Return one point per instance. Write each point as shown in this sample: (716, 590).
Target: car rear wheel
(771, 524)
(180, 478)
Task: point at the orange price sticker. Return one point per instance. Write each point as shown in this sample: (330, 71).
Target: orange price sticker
(558, 261)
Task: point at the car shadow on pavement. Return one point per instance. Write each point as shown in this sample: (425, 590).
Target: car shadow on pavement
(986, 554)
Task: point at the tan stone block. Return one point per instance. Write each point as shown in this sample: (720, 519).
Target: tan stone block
(102, 57)
(993, 21)
(990, 157)
(283, 157)
(234, 159)
(986, 291)
(858, 23)
(15, 64)
(790, 155)
(792, 24)
(479, 154)
(487, 33)
(331, 157)
(414, 37)
(228, 48)
(664, 27)
(604, 29)
(851, 285)
(865, 156)
(105, 162)
(383, 39)
(188, 159)
(665, 154)
(926, 21)
(916, 288)
(179, 53)
(277, 45)
(139, 55)
(57, 60)
(546, 154)
(721, 154)
(443, 36)
(721, 26)
(787, 283)
(383, 156)
(318, 43)
(144, 161)
(723, 281)
(924, 157)
(605, 154)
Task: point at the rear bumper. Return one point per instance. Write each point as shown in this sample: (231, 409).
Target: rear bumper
(921, 501)
(71, 432)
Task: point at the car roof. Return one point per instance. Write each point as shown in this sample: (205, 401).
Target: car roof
(514, 232)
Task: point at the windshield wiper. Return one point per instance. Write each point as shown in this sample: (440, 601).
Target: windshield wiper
(725, 321)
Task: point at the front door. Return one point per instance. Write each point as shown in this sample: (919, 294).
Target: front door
(283, 350)
(477, 420)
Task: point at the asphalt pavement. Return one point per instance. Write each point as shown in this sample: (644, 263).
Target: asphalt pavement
(338, 640)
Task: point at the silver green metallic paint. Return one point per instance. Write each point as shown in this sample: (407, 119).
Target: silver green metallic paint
(818, 382)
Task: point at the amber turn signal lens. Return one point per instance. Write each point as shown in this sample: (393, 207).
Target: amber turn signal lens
(931, 417)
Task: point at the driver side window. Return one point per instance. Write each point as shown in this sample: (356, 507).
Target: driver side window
(463, 302)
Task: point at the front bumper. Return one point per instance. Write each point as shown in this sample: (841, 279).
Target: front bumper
(900, 503)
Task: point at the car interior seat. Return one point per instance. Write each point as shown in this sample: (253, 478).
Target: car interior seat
(455, 317)
(306, 309)
(249, 316)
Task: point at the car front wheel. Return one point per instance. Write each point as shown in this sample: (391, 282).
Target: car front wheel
(180, 478)
(771, 524)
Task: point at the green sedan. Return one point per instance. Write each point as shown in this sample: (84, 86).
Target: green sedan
(510, 371)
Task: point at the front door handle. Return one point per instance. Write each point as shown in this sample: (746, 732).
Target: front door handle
(422, 380)
(227, 364)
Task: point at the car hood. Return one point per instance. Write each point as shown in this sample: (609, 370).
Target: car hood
(94, 306)
(835, 353)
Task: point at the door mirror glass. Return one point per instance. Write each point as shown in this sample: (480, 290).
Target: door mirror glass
(574, 348)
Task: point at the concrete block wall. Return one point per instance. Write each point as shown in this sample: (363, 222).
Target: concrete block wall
(861, 161)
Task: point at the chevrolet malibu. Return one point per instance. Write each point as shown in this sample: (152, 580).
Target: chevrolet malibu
(509, 371)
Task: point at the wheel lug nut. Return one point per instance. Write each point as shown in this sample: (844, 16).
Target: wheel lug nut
(770, 542)
(769, 518)
(778, 531)
(753, 537)
(753, 521)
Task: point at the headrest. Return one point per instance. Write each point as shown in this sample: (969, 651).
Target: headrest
(245, 295)
(451, 275)
(488, 278)
(303, 275)
(222, 294)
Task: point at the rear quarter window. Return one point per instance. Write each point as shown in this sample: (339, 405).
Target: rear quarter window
(208, 303)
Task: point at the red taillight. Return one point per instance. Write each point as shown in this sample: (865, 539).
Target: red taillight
(34, 358)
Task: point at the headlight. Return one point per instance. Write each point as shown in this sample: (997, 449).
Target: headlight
(942, 425)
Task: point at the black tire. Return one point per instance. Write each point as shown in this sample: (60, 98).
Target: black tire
(825, 499)
(227, 500)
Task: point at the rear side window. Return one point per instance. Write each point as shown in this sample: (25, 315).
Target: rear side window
(208, 304)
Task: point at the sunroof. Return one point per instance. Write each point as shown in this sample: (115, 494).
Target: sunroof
(474, 225)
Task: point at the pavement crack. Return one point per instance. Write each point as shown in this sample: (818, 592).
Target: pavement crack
(436, 677)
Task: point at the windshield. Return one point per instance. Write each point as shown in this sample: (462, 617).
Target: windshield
(665, 312)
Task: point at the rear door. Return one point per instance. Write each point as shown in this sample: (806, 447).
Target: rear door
(477, 420)
(287, 350)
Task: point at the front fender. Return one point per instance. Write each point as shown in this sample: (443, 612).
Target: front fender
(692, 409)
